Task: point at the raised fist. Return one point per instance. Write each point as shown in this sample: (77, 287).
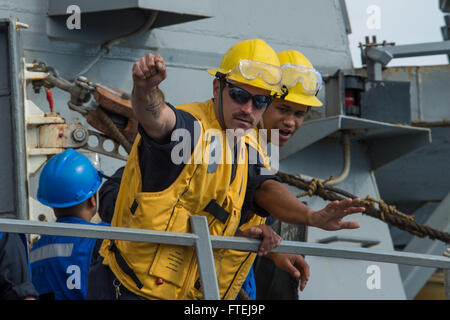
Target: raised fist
(149, 71)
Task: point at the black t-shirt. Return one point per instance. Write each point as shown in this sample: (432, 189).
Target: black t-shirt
(159, 171)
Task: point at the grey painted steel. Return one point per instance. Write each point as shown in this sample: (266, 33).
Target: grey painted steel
(334, 94)
(344, 278)
(447, 284)
(374, 70)
(421, 215)
(444, 5)
(20, 171)
(447, 277)
(333, 251)
(429, 92)
(348, 27)
(97, 232)
(7, 189)
(386, 53)
(112, 24)
(13, 159)
(205, 258)
(415, 277)
(108, 20)
(387, 141)
(220, 242)
(365, 242)
(363, 254)
(379, 55)
(386, 101)
(419, 176)
(188, 48)
(188, 7)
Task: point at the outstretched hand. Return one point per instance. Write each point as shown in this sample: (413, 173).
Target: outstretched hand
(270, 239)
(330, 217)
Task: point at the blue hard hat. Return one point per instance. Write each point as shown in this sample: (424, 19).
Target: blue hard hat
(67, 179)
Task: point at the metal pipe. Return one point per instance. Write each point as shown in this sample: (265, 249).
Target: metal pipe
(18, 124)
(347, 160)
(221, 242)
(205, 258)
(346, 167)
(431, 124)
(107, 46)
(385, 54)
(96, 232)
(335, 251)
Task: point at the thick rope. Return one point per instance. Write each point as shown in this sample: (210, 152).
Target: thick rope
(113, 131)
(313, 185)
(385, 208)
(386, 213)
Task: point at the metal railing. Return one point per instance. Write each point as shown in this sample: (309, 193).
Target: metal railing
(204, 243)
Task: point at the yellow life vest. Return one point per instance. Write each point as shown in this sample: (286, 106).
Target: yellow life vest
(160, 271)
(235, 265)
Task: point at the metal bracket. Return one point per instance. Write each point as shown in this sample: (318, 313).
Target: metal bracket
(205, 258)
(377, 57)
(365, 243)
(99, 147)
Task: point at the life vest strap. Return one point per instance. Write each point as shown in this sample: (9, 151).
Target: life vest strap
(123, 264)
(134, 206)
(217, 211)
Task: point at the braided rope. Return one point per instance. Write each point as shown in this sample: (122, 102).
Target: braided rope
(113, 131)
(313, 185)
(387, 213)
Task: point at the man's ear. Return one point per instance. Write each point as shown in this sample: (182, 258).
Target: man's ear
(215, 88)
(92, 201)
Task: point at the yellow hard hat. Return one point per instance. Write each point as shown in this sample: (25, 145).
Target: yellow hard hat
(300, 77)
(252, 62)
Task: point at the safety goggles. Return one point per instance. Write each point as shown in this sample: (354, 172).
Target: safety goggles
(310, 79)
(251, 70)
(242, 96)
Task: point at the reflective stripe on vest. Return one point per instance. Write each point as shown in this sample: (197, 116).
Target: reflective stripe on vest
(51, 251)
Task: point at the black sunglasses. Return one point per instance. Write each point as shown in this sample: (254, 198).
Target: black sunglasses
(242, 96)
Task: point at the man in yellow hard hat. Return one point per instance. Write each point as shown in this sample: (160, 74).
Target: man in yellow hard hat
(161, 193)
(300, 83)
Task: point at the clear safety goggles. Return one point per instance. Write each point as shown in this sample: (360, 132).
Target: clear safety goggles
(251, 70)
(310, 79)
